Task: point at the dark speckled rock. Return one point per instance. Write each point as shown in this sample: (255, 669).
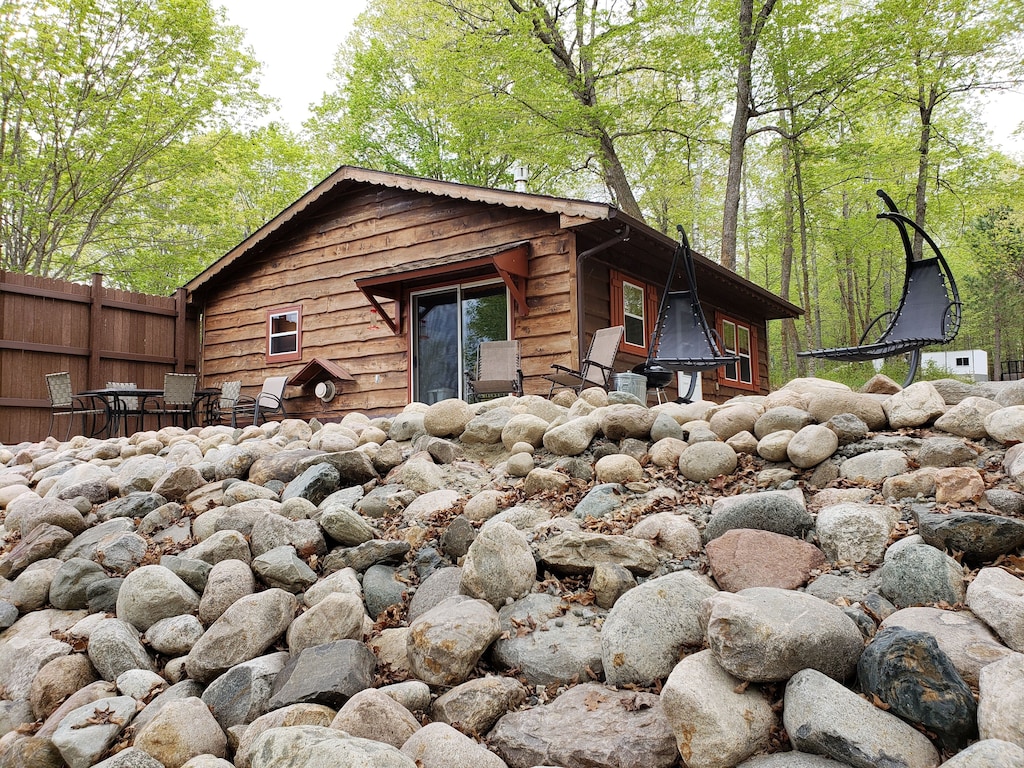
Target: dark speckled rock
(327, 674)
(908, 671)
(981, 537)
(315, 483)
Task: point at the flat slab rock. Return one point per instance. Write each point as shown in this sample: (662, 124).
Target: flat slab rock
(588, 726)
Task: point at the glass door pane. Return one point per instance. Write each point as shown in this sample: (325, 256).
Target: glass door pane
(484, 318)
(436, 346)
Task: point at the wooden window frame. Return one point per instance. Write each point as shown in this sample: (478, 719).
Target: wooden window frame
(618, 309)
(289, 356)
(754, 385)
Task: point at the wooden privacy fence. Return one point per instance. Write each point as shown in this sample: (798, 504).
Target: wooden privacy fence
(97, 334)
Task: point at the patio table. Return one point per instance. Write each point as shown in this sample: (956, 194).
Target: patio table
(116, 418)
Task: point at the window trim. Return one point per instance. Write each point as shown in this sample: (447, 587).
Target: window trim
(618, 309)
(755, 384)
(284, 357)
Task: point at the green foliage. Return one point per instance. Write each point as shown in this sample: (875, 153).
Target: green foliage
(178, 224)
(126, 147)
(95, 95)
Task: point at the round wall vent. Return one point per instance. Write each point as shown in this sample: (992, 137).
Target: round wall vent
(325, 390)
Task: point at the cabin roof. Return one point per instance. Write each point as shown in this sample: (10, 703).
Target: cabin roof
(593, 223)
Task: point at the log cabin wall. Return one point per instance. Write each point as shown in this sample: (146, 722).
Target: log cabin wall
(351, 236)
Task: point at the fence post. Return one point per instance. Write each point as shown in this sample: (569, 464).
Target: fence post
(95, 330)
(180, 330)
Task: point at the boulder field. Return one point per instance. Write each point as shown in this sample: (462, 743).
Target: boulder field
(816, 577)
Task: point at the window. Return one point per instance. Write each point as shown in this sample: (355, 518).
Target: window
(634, 307)
(963, 362)
(284, 334)
(738, 339)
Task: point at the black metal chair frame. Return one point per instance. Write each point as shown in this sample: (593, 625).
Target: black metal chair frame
(929, 311)
(682, 339)
(124, 407)
(63, 402)
(177, 402)
(270, 400)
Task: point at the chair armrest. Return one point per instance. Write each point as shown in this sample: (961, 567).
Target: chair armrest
(570, 371)
(88, 402)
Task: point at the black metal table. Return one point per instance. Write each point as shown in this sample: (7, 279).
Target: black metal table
(117, 416)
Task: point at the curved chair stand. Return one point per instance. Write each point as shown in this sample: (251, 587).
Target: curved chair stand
(682, 339)
(929, 311)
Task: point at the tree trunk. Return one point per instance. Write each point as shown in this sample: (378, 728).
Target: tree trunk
(789, 339)
(615, 178)
(926, 105)
(749, 30)
(737, 144)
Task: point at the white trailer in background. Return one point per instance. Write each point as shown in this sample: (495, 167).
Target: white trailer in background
(964, 362)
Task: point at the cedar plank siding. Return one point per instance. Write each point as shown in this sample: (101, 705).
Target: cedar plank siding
(367, 230)
(359, 223)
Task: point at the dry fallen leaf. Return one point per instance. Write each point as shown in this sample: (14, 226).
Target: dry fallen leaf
(100, 717)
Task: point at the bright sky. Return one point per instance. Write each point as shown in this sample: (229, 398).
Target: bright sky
(296, 40)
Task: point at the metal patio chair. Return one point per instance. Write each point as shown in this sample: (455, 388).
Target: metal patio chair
(596, 369)
(225, 405)
(497, 370)
(178, 399)
(123, 407)
(269, 401)
(682, 339)
(63, 402)
(929, 311)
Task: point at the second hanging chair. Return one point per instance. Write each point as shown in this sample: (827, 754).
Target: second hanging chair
(682, 339)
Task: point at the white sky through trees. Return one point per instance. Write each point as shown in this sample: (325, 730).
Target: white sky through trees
(297, 40)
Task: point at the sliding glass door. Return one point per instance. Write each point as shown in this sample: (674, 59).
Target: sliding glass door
(450, 324)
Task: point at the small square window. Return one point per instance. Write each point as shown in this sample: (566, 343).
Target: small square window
(284, 334)
(633, 314)
(963, 361)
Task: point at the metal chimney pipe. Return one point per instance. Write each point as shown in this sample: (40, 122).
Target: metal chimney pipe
(521, 175)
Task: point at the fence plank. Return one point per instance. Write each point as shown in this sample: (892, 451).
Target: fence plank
(96, 333)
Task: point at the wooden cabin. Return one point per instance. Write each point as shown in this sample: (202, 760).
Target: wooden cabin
(380, 287)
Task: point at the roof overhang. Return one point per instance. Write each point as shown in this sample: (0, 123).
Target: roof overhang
(594, 223)
(509, 262)
(642, 241)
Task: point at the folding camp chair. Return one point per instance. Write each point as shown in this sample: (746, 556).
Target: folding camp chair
(597, 365)
(929, 311)
(497, 370)
(682, 339)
